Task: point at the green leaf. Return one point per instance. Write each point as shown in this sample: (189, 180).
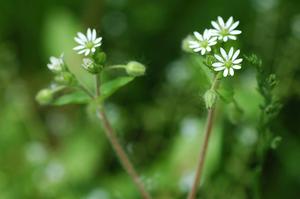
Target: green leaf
(109, 88)
(226, 93)
(76, 97)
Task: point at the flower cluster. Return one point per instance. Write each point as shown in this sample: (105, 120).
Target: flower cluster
(220, 33)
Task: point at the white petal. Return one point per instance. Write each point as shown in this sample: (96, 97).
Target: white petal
(202, 51)
(236, 54)
(87, 52)
(234, 26)
(97, 45)
(82, 51)
(208, 48)
(93, 50)
(237, 61)
(82, 37)
(221, 21)
(229, 22)
(94, 34)
(212, 43)
(215, 25)
(98, 40)
(218, 64)
(236, 67)
(206, 34)
(219, 68)
(89, 34)
(235, 32)
(79, 47)
(197, 49)
(225, 73)
(231, 71)
(230, 53)
(223, 53)
(219, 58)
(78, 40)
(232, 37)
(225, 38)
(198, 36)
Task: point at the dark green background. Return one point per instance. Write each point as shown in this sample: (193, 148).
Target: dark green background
(61, 152)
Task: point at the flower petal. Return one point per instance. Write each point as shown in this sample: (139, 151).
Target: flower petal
(219, 58)
(230, 53)
(235, 55)
(221, 21)
(234, 26)
(198, 36)
(80, 47)
(218, 64)
(89, 34)
(237, 61)
(94, 35)
(223, 53)
(82, 37)
(229, 22)
(225, 73)
(215, 25)
(236, 67)
(219, 68)
(231, 71)
(235, 32)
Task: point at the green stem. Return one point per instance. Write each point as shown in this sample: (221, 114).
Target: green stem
(204, 147)
(124, 159)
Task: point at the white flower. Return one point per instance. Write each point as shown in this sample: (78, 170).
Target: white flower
(87, 43)
(227, 62)
(203, 42)
(56, 63)
(225, 31)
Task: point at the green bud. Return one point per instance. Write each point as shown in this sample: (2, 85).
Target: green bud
(210, 98)
(44, 96)
(135, 69)
(65, 78)
(100, 58)
(89, 65)
(185, 44)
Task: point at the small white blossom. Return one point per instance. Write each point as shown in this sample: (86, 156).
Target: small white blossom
(56, 63)
(227, 62)
(203, 42)
(87, 43)
(225, 30)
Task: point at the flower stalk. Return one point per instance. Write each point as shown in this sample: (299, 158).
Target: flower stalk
(204, 147)
(112, 137)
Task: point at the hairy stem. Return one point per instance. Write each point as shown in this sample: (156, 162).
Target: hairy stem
(203, 148)
(112, 137)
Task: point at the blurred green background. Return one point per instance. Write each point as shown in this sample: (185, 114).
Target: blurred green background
(61, 152)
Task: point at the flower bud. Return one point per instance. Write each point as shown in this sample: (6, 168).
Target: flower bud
(44, 96)
(210, 98)
(56, 64)
(185, 44)
(65, 78)
(135, 69)
(89, 65)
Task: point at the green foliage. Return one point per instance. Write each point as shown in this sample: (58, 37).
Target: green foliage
(109, 88)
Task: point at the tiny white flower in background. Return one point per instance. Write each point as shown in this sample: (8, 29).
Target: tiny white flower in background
(56, 63)
(225, 30)
(87, 43)
(203, 42)
(227, 62)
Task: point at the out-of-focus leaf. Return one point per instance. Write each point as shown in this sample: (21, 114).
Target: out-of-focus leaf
(108, 88)
(226, 93)
(275, 142)
(77, 97)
